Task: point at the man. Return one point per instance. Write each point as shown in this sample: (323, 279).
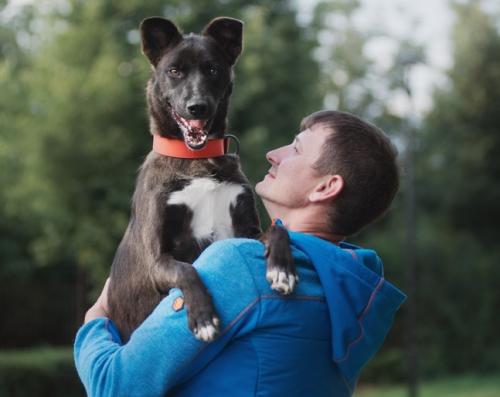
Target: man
(337, 176)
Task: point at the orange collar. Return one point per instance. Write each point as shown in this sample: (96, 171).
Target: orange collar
(177, 148)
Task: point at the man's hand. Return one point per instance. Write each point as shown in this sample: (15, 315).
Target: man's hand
(100, 307)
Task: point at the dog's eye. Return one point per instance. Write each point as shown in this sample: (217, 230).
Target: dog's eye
(213, 71)
(173, 71)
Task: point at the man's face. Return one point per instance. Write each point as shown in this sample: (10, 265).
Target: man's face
(292, 178)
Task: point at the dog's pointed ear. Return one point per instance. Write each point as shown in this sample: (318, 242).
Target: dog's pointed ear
(228, 32)
(157, 36)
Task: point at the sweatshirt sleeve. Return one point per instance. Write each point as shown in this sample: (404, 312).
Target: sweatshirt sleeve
(163, 352)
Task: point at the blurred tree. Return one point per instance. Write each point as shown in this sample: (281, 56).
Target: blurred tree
(465, 126)
(28, 294)
(13, 63)
(277, 83)
(460, 174)
(344, 64)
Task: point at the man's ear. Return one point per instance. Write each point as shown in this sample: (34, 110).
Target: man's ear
(228, 32)
(157, 36)
(327, 189)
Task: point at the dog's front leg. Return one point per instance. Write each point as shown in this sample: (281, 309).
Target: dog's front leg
(202, 318)
(166, 272)
(281, 271)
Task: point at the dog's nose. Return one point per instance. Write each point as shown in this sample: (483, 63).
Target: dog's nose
(198, 109)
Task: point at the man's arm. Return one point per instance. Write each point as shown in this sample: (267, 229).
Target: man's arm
(163, 351)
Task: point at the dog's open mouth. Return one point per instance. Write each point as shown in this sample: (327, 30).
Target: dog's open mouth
(195, 136)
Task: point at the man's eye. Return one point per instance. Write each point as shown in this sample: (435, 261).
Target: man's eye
(295, 149)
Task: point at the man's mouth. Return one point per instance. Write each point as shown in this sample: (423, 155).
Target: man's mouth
(195, 136)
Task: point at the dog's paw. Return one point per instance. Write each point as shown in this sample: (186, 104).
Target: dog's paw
(282, 281)
(206, 330)
(203, 320)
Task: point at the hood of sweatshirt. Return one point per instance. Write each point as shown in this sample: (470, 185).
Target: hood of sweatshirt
(362, 304)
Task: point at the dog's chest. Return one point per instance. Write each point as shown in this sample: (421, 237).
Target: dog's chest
(210, 203)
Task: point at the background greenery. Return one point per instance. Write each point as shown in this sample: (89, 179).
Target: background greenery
(73, 131)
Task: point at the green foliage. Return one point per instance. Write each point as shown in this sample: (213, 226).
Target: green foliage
(276, 83)
(44, 372)
(463, 130)
(460, 195)
(345, 67)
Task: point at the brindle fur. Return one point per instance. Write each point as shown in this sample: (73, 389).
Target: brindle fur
(158, 247)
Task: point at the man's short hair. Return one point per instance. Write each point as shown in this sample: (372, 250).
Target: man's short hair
(366, 159)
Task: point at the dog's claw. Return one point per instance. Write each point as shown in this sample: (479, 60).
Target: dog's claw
(208, 331)
(282, 281)
(204, 325)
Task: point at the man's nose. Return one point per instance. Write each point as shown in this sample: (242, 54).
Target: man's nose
(276, 155)
(272, 157)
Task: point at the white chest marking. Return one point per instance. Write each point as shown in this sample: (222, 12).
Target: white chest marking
(210, 201)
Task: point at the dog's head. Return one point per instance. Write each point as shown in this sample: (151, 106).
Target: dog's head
(192, 77)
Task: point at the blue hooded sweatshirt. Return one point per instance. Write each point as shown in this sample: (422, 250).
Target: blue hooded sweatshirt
(312, 343)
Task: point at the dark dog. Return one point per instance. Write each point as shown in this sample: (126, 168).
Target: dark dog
(181, 205)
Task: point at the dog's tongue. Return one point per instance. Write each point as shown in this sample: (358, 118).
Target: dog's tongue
(199, 124)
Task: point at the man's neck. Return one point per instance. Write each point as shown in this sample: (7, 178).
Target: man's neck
(317, 229)
(307, 221)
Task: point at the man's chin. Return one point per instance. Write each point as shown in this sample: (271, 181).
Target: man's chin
(260, 189)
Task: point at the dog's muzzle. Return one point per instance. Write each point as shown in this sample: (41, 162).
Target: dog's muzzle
(195, 135)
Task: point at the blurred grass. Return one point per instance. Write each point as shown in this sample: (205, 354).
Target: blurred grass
(42, 356)
(463, 386)
(40, 372)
